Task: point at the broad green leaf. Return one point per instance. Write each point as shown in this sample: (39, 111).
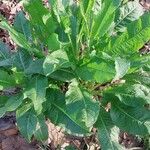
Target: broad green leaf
(58, 113)
(80, 104)
(142, 77)
(41, 132)
(135, 120)
(14, 102)
(104, 18)
(55, 61)
(137, 62)
(122, 66)
(36, 66)
(65, 75)
(9, 104)
(29, 124)
(37, 19)
(132, 95)
(131, 11)
(4, 51)
(3, 100)
(19, 38)
(6, 80)
(21, 60)
(97, 70)
(32, 6)
(26, 121)
(22, 25)
(53, 42)
(5, 55)
(49, 21)
(107, 133)
(36, 91)
(136, 34)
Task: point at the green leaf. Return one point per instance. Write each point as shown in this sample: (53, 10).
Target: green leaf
(107, 133)
(58, 113)
(22, 25)
(122, 66)
(55, 61)
(14, 102)
(135, 120)
(80, 104)
(36, 91)
(5, 55)
(137, 61)
(129, 12)
(97, 70)
(6, 80)
(104, 18)
(19, 38)
(26, 121)
(3, 100)
(38, 19)
(29, 124)
(132, 95)
(4, 51)
(140, 76)
(66, 75)
(53, 42)
(41, 132)
(35, 67)
(21, 60)
(129, 42)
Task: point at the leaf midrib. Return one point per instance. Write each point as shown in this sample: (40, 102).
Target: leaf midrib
(128, 115)
(69, 116)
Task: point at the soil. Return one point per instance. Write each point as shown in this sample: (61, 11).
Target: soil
(11, 139)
